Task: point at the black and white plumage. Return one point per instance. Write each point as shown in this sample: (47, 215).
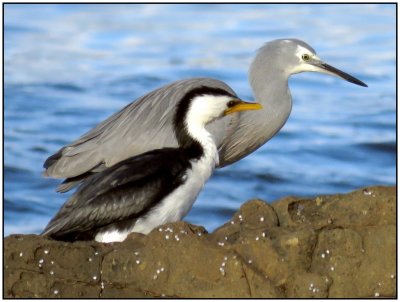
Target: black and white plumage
(153, 188)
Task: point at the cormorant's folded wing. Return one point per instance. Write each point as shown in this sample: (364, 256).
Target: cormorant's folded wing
(123, 191)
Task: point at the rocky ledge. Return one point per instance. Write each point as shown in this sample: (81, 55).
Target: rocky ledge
(328, 246)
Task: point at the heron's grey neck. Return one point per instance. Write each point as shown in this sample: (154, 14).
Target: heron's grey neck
(270, 88)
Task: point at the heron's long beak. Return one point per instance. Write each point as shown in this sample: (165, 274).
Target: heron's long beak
(326, 68)
(242, 106)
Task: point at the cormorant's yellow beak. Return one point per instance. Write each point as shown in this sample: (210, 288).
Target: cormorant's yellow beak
(239, 105)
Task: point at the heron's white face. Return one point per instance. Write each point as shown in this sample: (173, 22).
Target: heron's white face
(305, 57)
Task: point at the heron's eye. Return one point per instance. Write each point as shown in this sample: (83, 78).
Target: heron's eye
(305, 57)
(231, 104)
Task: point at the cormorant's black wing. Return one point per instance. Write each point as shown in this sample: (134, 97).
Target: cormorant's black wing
(125, 190)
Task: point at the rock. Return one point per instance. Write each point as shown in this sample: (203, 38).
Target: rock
(337, 246)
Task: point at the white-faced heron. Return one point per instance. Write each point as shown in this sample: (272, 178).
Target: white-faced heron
(147, 123)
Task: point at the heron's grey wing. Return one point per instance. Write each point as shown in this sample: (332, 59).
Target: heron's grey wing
(143, 125)
(123, 191)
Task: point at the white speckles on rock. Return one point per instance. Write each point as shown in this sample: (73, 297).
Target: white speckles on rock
(138, 261)
(166, 237)
(94, 277)
(159, 271)
(313, 288)
(392, 276)
(21, 254)
(51, 273)
(55, 291)
(168, 229)
(46, 251)
(261, 219)
(377, 294)
(332, 268)
(367, 192)
(323, 255)
(41, 261)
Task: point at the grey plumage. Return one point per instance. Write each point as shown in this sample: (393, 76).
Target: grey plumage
(146, 123)
(143, 125)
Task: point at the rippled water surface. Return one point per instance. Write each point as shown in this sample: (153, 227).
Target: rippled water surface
(68, 67)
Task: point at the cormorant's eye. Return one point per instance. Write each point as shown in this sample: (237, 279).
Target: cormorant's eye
(231, 104)
(305, 57)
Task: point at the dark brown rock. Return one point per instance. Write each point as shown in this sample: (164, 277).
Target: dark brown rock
(329, 246)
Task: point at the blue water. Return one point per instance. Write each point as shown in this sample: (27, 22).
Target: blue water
(68, 67)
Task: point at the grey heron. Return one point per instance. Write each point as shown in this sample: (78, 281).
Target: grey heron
(147, 123)
(153, 188)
